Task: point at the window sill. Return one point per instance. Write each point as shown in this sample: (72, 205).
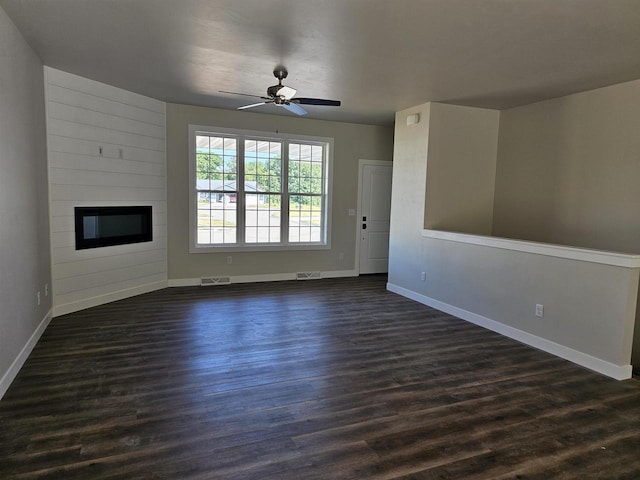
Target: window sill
(259, 248)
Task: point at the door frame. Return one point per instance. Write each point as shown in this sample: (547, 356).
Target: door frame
(361, 164)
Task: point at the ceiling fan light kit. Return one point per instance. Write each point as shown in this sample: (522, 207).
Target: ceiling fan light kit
(283, 96)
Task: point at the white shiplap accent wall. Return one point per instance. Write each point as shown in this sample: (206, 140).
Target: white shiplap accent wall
(82, 116)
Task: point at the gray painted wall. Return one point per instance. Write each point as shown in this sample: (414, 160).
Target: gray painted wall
(408, 197)
(568, 172)
(443, 177)
(24, 226)
(351, 143)
(569, 169)
(635, 354)
(461, 170)
(589, 307)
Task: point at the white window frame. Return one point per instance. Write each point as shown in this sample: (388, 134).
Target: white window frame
(241, 135)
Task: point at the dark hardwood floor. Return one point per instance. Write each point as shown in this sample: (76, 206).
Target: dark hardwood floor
(326, 379)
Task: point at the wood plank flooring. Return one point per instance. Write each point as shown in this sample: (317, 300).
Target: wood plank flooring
(327, 379)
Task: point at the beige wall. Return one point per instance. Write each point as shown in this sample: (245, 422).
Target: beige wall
(569, 169)
(24, 226)
(461, 169)
(589, 307)
(443, 178)
(351, 143)
(635, 354)
(408, 197)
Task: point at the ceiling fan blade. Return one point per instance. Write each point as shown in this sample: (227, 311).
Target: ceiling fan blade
(297, 109)
(317, 101)
(286, 92)
(252, 105)
(245, 95)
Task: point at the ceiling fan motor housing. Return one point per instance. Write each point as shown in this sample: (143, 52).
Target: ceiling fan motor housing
(280, 73)
(273, 90)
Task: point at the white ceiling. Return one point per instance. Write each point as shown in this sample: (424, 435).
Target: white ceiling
(377, 56)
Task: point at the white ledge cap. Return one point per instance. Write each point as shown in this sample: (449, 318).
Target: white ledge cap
(551, 250)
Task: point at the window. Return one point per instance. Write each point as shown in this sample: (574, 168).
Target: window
(260, 191)
(216, 187)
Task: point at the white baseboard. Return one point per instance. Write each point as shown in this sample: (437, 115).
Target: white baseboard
(183, 282)
(10, 375)
(107, 298)
(619, 372)
(340, 274)
(267, 277)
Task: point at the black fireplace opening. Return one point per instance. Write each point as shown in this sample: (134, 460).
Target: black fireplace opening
(107, 226)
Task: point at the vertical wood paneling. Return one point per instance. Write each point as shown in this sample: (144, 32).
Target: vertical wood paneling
(106, 146)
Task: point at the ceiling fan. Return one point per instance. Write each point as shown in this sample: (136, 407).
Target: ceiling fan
(283, 96)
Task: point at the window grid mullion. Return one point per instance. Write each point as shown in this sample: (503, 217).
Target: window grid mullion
(240, 200)
(284, 202)
(325, 189)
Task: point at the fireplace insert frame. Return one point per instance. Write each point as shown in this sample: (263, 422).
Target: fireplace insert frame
(97, 227)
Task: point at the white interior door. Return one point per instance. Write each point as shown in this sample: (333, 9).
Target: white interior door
(375, 209)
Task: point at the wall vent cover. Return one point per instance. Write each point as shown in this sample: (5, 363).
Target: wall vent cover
(308, 276)
(211, 281)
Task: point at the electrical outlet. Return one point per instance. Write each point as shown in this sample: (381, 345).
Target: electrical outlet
(539, 310)
(229, 260)
(341, 256)
(423, 276)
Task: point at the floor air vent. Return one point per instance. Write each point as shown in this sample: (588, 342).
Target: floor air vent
(308, 276)
(211, 281)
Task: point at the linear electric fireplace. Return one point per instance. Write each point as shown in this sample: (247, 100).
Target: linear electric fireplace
(106, 226)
